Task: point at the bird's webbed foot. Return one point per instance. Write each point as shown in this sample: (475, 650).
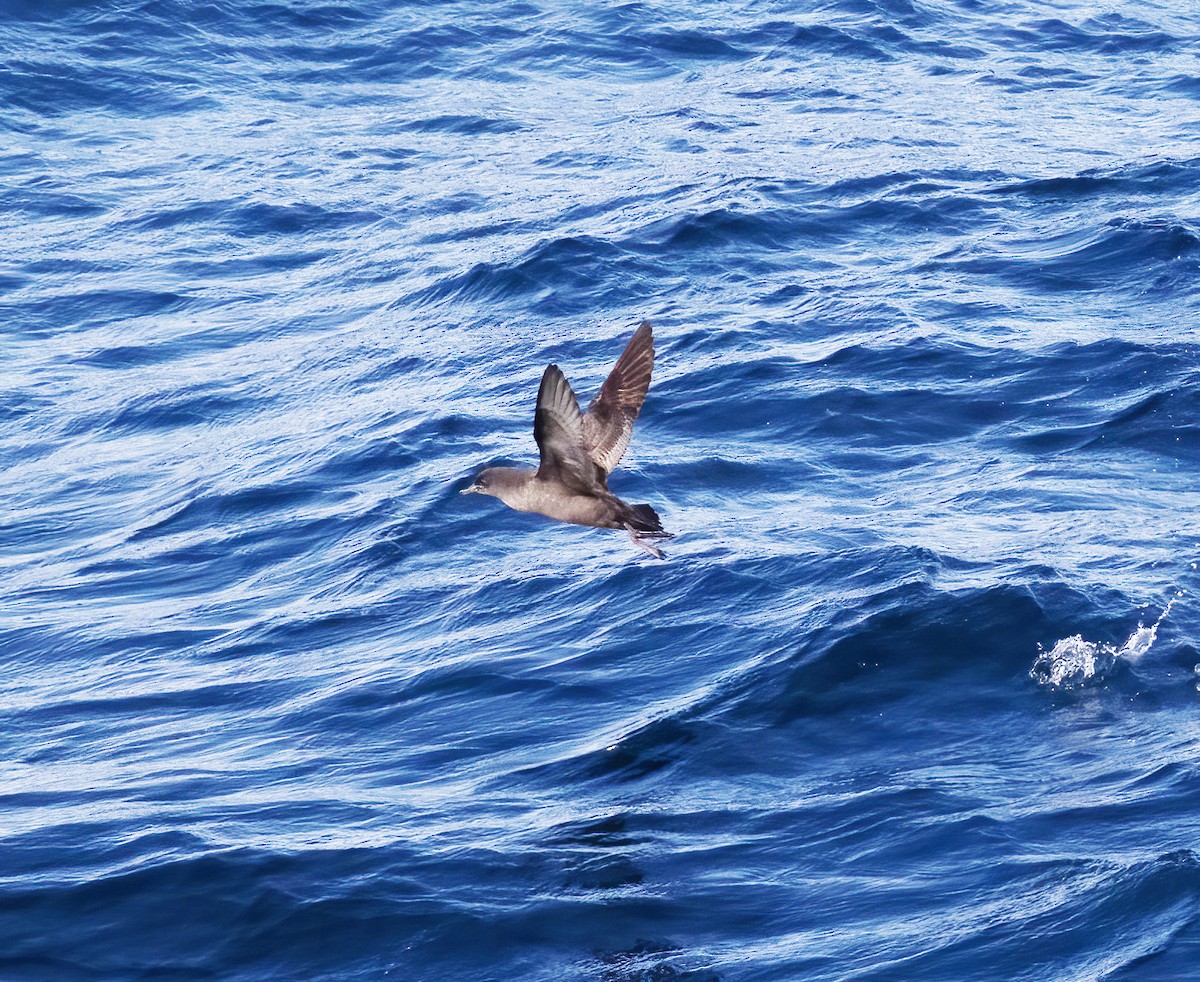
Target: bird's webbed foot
(645, 541)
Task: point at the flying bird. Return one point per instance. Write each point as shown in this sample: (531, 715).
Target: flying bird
(580, 449)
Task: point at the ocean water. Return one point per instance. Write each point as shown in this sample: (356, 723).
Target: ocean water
(278, 278)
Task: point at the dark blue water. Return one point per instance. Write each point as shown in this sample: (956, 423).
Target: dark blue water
(277, 279)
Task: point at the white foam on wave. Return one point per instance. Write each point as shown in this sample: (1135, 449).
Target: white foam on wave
(1074, 662)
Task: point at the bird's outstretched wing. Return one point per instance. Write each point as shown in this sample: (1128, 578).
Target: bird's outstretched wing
(558, 429)
(607, 426)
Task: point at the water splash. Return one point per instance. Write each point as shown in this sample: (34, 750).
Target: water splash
(1074, 662)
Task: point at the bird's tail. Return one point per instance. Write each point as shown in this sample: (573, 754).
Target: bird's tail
(645, 521)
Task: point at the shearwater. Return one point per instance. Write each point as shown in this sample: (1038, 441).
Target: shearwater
(580, 449)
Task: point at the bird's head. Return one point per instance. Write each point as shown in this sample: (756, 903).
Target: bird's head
(494, 481)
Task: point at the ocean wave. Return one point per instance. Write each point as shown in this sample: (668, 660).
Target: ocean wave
(1109, 34)
(1148, 178)
(279, 702)
(1121, 252)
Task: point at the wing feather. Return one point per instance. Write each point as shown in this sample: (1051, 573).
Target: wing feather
(558, 430)
(607, 427)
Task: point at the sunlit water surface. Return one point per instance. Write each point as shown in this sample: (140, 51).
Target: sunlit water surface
(277, 702)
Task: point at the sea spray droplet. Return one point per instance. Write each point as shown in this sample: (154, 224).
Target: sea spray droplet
(1139, 642)
(1074, 662)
